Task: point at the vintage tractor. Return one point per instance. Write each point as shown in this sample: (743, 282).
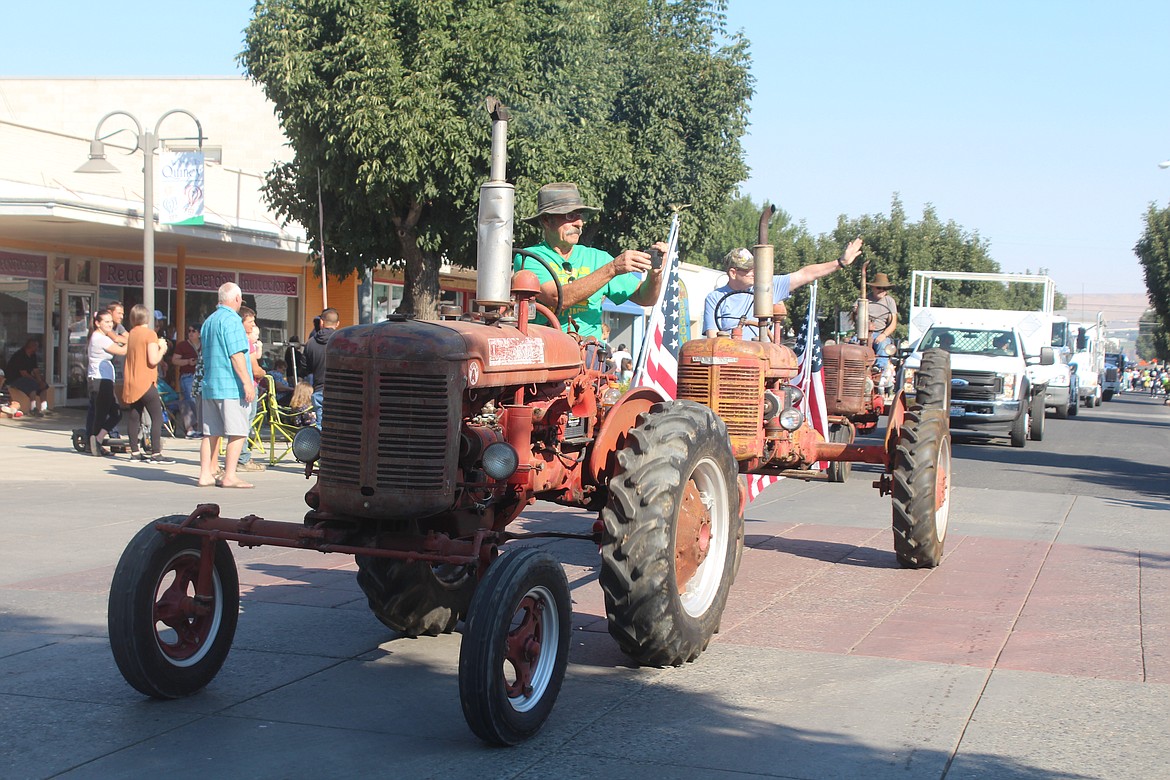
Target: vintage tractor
(857, 391)
(436, 435)
(748, 383)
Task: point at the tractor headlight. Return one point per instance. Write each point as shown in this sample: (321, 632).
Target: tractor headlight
(500, 460)
(908, 375)
(610, 396)
(306, 444)
(795, 395)
(791, 419)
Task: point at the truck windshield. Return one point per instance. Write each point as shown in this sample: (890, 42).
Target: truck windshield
(965, 341)
(1061, 336)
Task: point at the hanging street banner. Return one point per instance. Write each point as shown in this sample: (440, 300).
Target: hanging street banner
(181, 201)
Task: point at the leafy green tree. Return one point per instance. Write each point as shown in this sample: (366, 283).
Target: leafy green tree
(1153, 251)
(1153, 341)
(896, 246)
(738, 225)
(383, 100)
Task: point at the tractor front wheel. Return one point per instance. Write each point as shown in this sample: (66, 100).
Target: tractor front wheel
(416, 597)
(672, 531)
(515, 647)
(168, 642)
(922, 488)
(838, 470)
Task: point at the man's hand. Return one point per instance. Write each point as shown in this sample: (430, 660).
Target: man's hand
(249, 392)
(635, 260)
(852, 251)
(630, 261)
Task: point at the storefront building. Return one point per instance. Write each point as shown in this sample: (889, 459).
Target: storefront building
(72, 242)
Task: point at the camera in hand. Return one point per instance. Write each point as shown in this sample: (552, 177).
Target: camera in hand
(655, 258)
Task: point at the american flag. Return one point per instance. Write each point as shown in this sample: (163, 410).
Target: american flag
(658, 358)
(811, 380)
(811, 377)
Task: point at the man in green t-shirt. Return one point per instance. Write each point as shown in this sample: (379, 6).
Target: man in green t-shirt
(587, 275)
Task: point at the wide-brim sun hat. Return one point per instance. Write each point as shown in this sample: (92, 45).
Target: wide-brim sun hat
(882, 281)
(560, 197)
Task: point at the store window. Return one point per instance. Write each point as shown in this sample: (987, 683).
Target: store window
(387, 297)
(22, 303)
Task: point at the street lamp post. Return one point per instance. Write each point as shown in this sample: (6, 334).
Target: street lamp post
(147, 141)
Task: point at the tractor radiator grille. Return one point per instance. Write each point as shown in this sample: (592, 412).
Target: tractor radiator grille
(980, 386)
(412, 432)
(733, 392)
(341, 440)
(396, 430)
(845, 383)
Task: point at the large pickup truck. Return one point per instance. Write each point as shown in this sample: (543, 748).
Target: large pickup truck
(1004, 372)
(1038, 327)
(991, 393)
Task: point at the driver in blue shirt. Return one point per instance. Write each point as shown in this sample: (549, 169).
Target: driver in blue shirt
(741, 274)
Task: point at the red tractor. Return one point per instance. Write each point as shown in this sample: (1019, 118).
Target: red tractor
(436, 436)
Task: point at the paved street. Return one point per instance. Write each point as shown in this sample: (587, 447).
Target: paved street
(1039, 649)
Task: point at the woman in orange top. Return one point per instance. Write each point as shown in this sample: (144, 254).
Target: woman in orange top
(144, 351)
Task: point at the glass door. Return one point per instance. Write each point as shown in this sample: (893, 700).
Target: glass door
(75, 309)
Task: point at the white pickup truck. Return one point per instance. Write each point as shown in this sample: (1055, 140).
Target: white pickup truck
(1003, 370)
(991, 393)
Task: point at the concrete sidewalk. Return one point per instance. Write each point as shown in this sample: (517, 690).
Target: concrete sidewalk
(1040, 648)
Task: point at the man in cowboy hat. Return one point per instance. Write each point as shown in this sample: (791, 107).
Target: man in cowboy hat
(883, 316)
(741, 274)
(586, 274)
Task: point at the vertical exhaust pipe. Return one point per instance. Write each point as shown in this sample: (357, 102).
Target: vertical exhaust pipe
(497, 205)
(763, 255)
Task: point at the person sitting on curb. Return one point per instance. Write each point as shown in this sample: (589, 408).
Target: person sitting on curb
(25, 377)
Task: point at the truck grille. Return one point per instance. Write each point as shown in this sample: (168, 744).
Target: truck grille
(981, 386)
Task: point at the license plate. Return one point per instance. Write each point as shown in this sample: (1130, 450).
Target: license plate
(957, 411)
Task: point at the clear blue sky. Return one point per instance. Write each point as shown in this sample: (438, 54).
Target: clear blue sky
(1037, 124)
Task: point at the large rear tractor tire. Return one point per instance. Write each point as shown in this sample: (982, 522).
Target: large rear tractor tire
(416, 597)
(167, 644)
(515, 647)
(922, 489)
(932, 383)
(1036, 424)
(672, 531)
(839, 470)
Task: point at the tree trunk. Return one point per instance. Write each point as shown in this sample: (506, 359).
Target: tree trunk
(420, 292)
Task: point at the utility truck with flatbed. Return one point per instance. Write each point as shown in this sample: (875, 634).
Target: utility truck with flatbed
(1004, 372)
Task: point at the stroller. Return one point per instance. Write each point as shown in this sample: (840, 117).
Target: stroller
(172, 405)
(173, 410)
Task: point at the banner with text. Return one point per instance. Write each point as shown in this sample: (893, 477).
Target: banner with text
(181, 201)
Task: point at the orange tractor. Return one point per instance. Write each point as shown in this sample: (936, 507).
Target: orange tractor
(437, 435)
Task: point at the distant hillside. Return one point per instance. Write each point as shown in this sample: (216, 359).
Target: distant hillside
(1121, 311)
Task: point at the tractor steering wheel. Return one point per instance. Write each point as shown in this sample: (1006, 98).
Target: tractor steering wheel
(719, 304)
(551, 272)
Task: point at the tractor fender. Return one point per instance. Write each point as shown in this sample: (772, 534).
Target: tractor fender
(894, 428)
(618, 421)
